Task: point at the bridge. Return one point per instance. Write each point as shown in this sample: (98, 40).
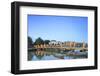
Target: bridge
(83, 48)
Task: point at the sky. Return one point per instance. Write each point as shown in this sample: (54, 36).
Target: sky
(59, 28)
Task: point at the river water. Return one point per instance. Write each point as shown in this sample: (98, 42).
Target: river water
(55, 55)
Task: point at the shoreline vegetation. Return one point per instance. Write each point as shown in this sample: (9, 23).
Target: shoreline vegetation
(58, 49)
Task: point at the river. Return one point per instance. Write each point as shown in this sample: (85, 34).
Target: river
(51, 54)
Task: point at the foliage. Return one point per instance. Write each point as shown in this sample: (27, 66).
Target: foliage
(38, 41)
(30, 42)
(46, 41)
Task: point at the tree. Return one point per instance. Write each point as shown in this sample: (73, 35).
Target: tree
(38, 41)
(30, 42)
(46, 41)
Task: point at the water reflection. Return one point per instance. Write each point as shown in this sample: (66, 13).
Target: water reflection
(54, 54)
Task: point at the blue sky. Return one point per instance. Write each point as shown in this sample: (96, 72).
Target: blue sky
(60, 28)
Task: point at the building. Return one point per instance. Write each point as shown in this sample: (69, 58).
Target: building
(54, 42)
(68, 44)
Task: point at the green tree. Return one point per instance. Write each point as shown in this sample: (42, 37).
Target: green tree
(46, 41)
(30, 42)
(38, 41)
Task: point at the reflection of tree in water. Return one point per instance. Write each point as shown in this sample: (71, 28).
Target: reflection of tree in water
(30, 55)
(39, 54)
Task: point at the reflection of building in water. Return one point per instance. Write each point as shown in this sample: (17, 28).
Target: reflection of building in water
(41, 53)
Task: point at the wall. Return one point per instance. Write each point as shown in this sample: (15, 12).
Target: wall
(5, 41)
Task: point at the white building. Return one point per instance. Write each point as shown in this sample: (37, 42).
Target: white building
(54, 42)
